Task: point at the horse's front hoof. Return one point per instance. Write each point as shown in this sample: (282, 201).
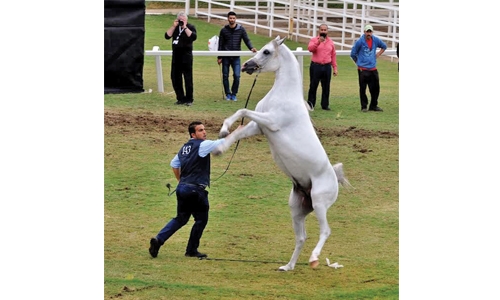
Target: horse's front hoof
(314, 264)
(223, 134)
(217, 151)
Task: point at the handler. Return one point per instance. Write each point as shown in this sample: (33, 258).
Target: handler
(191, 166)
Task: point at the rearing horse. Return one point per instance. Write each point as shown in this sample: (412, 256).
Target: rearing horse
(283, 117)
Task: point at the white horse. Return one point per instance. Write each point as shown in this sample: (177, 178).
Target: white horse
(283, 117)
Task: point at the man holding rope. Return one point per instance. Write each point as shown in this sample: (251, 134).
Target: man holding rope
(191, 166)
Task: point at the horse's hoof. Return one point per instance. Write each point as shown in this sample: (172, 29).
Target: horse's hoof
(216, 151)
(223, 134)
(314, 264)
(284, 268)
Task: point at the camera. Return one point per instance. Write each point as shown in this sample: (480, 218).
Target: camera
(323, 34)
(181, 23)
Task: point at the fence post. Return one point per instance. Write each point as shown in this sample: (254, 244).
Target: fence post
(159, 72)
(300, 58)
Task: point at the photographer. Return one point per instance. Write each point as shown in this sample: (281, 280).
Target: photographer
(323, 60)
(183, 35)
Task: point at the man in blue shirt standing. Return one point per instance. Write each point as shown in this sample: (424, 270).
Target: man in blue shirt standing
(364, 53)
(230, 38)
(191, 166)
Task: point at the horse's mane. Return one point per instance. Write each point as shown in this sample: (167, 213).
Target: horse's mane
(291, 55)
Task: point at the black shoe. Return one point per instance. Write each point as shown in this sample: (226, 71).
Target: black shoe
(154, 247)
(376, 109)
(310, 105)
(326, 108)
(196, 254)
(364, 109)
(179, 103)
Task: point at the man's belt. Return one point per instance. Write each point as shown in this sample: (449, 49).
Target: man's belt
(315, 63)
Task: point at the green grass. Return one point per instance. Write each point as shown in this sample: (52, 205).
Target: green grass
(249, 231)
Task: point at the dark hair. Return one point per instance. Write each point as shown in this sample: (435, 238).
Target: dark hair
(192, 127)
(231, 13)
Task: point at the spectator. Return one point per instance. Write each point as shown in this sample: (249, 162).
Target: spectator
(191, 166)
(364, 53)
(183, 34)
(230, 37)
(323, 61)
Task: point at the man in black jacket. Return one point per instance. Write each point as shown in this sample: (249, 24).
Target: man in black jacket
(230, 37)
(183, 34)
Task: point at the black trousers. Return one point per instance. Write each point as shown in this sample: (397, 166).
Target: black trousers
(182, 66)
(191, 201)
(319, 74)
(370, 79)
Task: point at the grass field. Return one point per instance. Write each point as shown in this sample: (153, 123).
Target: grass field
(249, 234)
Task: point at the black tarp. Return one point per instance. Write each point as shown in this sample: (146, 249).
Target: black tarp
(124, 45)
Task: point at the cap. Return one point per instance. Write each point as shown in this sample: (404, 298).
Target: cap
(368, 27)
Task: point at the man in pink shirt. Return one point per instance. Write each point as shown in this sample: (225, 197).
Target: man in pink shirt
(323, 60)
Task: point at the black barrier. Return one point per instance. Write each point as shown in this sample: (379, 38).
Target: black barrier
(124, 28)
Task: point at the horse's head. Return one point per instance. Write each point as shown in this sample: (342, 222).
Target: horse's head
(266, 59)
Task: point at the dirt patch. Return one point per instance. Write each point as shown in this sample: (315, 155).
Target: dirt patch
(149, 122)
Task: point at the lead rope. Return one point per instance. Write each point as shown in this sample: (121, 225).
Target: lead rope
(242, 119)
(169, 186)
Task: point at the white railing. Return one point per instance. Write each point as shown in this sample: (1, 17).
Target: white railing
(299, 53)
(300, 19)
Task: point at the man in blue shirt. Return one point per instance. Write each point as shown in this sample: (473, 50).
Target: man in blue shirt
(364, 53)
(191, 166)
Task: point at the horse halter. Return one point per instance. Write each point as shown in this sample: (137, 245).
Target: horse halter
(250, 67)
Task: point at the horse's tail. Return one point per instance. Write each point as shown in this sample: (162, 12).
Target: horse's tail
(339, 171)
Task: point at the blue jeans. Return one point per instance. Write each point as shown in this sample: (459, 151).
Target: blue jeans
(191, 200)
(235, 64)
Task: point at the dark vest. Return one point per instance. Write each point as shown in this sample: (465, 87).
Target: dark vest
(194, 168)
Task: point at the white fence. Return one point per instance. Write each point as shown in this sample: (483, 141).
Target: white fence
(297, 20)
(300, 19)
(299, 53)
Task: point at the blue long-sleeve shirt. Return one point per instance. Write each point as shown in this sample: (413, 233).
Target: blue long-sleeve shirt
(364, 56)
(206, 147)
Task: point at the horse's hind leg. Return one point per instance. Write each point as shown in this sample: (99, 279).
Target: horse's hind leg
(324, 233)
(321, 202)
(299, 213)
